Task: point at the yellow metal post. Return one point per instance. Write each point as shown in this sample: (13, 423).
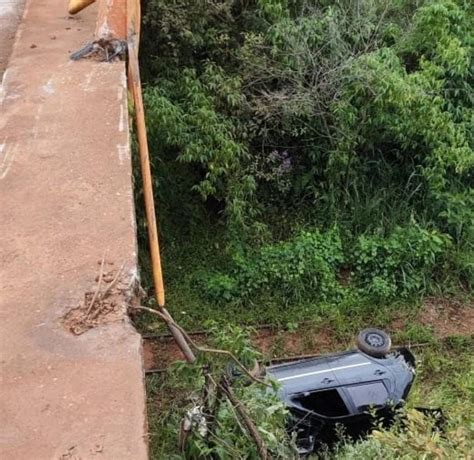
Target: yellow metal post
(133, 30)
(78, 5)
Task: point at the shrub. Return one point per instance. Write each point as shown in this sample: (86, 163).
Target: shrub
(304, 266)
(354, 103)
(225, 436)
(416, 437)
(400, 264)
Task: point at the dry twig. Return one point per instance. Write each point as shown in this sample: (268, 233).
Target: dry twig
(248, 422)
(112, 283)
(99, 282)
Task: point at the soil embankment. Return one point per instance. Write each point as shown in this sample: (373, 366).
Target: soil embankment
(443, 317)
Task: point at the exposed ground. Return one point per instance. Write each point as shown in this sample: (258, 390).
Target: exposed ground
(438, 319)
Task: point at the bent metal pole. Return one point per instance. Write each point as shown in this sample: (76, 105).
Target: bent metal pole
(133, 19)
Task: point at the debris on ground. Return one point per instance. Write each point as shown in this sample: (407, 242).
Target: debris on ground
(105, 304)
(101, 50)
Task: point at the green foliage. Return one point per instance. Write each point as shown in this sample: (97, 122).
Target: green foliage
(184, 118)
(415, 333)
(236, 340)
(290, 269)
(359, 114)
(417, 438)
(231, 440)
(400, 264)
(183, 389)
(307, 266)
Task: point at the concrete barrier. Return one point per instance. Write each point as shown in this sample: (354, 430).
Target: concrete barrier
(72, 386)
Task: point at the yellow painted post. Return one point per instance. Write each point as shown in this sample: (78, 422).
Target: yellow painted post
(78, 5)
(133, 30)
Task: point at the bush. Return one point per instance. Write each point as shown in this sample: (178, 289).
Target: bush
(306, 265)
(416, 437)
(225, 437)
(278, 104)
(399, 265)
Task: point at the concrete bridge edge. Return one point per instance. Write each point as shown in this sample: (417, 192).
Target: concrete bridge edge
(72, 386)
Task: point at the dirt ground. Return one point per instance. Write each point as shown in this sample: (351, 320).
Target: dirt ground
(445, 317)
(448, 317)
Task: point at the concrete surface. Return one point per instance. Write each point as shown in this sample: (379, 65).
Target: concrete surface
(10, 15)
(65, 198)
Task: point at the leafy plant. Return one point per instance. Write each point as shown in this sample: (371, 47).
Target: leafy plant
(306, 264)
(417, 437)
(400, 264)
(223, 435)
(328, 107)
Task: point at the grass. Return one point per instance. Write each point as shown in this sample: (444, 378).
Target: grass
(187, 260)
(445, 377)
(165, 408)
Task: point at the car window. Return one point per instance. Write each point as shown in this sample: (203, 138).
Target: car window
(326, 402)
(368, 394)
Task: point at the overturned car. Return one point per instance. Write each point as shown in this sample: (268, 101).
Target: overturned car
(352, 389)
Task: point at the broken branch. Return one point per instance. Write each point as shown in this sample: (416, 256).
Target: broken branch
(169, 321)
(248, 422)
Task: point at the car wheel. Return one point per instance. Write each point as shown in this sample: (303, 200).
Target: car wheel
(374, 342)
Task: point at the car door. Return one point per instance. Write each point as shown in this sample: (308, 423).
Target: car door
(368, 401)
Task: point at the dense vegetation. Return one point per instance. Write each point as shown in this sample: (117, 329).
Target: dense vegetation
(305, 139)
(313, 160)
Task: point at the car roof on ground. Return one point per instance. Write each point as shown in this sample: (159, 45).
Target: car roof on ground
(325, 372)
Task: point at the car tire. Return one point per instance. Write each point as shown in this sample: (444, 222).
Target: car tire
(374, 342)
